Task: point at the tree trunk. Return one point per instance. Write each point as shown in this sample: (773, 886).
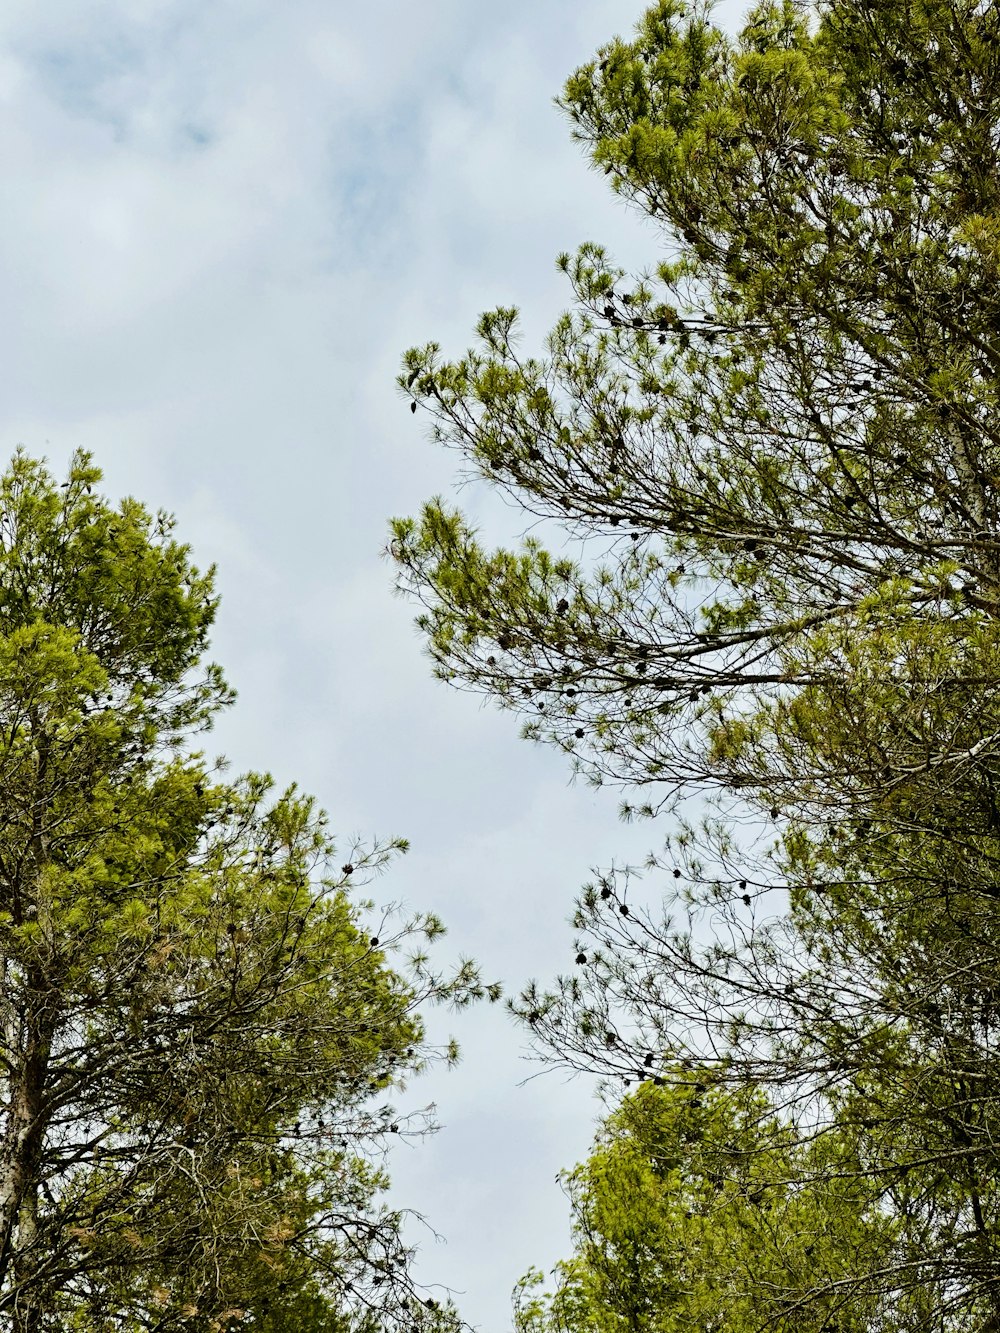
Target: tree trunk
(20, 1157)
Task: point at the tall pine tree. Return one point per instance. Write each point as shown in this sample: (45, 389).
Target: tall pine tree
(780, 450)
(197, 1024)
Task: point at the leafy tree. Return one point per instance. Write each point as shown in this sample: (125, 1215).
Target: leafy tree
(697, 1210)
(198, 1020)
(789, 416)
(779, 450)
(889, 1053)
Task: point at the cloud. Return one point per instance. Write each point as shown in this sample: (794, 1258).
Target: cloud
(221, 226)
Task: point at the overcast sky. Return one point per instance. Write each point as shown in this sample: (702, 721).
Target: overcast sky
(222, 223)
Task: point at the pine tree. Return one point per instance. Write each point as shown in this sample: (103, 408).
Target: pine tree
(779, 452)
(197, 1023)
(696, 1208)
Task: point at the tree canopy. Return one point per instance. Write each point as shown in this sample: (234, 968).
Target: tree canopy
(698, 1210)
(778, 451)
(201, 1014)
(786, 422)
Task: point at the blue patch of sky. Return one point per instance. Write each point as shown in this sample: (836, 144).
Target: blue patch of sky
(79, 78)
(194, 136)
(380, 171)
(102, 76)
(371, 183)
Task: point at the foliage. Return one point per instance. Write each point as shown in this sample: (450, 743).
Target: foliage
(197, 1018)
(778, 451)
(697, 1210)
(790, 417)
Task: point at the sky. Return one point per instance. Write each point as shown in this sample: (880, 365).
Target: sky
(221, 225)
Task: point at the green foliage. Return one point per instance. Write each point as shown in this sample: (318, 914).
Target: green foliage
(777, 455)
(698, 1209)
(199, 1023)
(782, 435)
